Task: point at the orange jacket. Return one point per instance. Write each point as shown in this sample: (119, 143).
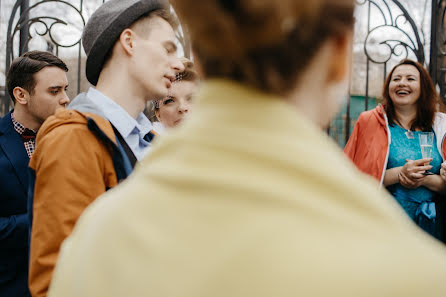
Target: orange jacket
(368, 145)
(72, 168)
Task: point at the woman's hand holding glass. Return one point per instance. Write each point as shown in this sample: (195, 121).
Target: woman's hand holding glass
(412, 173)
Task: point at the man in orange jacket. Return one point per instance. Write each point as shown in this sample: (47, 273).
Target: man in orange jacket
(90, 147)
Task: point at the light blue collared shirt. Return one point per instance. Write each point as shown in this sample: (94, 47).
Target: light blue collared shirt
(133, 131)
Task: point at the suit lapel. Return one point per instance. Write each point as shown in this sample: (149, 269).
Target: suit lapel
(14, 149)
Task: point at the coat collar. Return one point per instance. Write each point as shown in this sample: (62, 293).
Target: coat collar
(14, 149)
(380, 114)
(230, 101)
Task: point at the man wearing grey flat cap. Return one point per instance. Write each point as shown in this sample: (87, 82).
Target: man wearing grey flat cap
(87, 149)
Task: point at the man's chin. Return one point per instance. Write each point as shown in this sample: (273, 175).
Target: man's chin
(156, 96)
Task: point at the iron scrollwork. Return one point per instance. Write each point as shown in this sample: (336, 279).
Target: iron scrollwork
(396, 36)
(42, 25)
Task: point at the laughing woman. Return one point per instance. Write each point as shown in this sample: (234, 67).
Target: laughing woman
(385, 144)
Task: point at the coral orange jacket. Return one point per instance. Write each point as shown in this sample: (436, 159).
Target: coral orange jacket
(368, 145)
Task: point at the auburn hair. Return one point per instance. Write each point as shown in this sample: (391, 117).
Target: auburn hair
(266, 44)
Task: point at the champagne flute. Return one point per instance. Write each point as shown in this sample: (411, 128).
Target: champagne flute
(426, 142)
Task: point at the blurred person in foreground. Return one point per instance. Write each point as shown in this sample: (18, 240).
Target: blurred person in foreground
(385, 144)
(37, 84)
(249, 196)
(88, 148)
(173, 109)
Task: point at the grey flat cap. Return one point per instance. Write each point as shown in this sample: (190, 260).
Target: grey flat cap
(105, 26)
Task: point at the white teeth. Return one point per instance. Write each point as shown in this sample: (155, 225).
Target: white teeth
(402, 92)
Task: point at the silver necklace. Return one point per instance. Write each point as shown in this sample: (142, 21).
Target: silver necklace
(409, 134)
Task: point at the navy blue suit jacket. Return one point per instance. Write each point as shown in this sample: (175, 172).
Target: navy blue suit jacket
(14, 222)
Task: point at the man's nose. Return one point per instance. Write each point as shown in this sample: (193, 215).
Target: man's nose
(177, 65)
(65, 99)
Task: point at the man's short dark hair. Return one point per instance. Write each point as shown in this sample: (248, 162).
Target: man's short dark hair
(22, 70)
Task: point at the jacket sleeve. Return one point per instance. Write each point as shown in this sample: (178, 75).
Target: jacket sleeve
(71, 171)
(352, 143)
(14, 231)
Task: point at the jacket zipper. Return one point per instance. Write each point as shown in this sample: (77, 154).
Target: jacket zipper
(388, 148)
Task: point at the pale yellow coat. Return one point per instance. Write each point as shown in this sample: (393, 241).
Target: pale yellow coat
(247, 199)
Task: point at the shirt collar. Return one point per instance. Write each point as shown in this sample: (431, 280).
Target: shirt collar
(120, 118)
(19, 128)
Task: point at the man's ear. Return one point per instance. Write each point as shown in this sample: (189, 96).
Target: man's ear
(127, 40)
(21, 95)
(339, 66)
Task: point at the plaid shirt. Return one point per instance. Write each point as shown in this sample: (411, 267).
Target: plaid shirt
(30, 145)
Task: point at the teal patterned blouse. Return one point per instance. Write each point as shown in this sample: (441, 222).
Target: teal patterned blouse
(402, 148)
(417, 203)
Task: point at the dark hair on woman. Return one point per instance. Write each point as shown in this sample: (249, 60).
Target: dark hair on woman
(425, 104)
(22, 70)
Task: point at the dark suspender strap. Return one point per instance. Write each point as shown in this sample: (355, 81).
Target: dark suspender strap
(121, 162)
(126, 147)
